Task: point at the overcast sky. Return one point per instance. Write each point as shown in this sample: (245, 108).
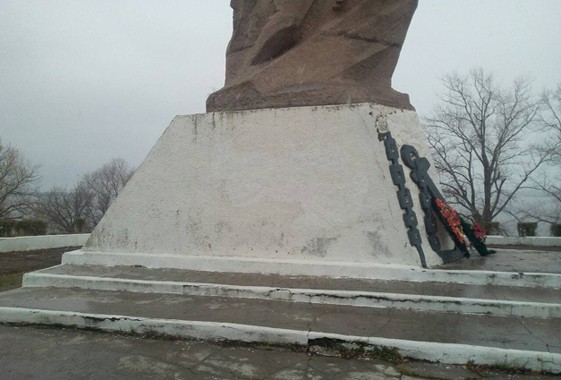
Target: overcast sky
(85, 81)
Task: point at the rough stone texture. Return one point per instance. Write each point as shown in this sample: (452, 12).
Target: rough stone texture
(309, 52)
(307, 183)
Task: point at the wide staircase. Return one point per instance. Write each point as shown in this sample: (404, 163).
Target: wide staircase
(500, 310)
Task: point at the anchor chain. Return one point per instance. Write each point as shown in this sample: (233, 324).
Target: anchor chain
(428, 191)
(404, 196)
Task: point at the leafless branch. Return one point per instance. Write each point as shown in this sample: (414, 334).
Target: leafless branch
(19, 180)
(478, 139)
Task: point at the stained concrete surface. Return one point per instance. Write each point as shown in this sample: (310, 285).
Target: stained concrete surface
(65, 354)
(532, 334)
(491, 292)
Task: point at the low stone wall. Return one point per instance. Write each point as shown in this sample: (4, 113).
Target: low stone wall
(535, 241)
(30, 243)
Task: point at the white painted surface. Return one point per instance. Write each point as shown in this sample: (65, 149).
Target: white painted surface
(435, 352)
(315, 296)
(315, 268)
(29, 243)
(309, 183)
(534, 241)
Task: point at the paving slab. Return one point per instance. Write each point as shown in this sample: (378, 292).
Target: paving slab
(49, 354)
(437, 371)
(529, 334)
(489, 292)
(66, 354)
(512, 260)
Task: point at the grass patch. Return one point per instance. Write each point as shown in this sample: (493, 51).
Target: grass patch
(10, 281)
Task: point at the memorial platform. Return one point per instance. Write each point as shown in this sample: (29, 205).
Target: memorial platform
(479, 316)
(297, 226)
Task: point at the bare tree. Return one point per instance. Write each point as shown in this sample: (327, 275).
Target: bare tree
(65, 210)
(106, 183)
(552, 119)
(81, 208)
(19, 180)
(548, 180)
(482, 141)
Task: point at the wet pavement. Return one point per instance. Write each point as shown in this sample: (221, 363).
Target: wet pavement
(490, 292)
(531, 334)
(30, 353)
(63, 354)
(512, 260)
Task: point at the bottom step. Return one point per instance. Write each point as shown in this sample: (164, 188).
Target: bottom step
(448, 338)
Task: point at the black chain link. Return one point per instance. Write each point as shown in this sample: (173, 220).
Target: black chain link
(428, 191)
(404, 196)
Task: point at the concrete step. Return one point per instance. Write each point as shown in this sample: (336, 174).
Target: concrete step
(466, 273)
(446, 337)
(428, 296)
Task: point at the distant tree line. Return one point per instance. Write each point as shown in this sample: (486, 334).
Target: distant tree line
(80, 208)
(24, 210)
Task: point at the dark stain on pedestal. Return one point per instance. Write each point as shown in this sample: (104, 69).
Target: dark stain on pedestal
(376, 242)
(318, 246)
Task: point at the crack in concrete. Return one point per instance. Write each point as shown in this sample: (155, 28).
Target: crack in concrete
(207, 357)
(308, 367)
(283, 368)
(532, 334)
(313, 366)
(385, 324)
(490, 289)
(313, 322)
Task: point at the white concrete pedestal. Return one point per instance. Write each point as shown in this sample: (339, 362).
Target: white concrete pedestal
(310, 183)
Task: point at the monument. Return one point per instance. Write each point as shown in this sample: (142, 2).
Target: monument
(258, 180)
(304, 52)
(298, 210)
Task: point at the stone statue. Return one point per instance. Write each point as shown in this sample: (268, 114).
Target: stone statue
(286, 53)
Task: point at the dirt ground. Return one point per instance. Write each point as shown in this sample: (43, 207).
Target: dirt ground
(27, 261)
(14, 264)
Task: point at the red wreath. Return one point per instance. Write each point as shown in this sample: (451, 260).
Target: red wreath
(452, 219)
(479, 232)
